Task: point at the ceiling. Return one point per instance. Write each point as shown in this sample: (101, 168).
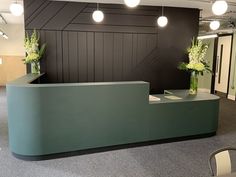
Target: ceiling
(4, 11)
(204, 5)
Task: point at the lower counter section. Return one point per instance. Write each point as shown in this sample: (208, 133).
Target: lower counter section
(108, 148)
(49, 119)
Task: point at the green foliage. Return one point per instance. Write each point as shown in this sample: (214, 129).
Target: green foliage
(33, 51)
(182, 66)
(42, 50)
(197, 62)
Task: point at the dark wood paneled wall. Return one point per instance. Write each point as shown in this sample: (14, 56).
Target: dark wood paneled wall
(128, 45)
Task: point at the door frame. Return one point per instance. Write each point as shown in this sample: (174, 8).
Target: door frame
(214, 62)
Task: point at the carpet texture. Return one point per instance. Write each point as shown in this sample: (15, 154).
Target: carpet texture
(179, 159)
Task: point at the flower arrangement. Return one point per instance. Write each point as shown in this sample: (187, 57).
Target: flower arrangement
(33, 51)
(197, 63)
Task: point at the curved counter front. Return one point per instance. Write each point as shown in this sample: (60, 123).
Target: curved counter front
(48, 119)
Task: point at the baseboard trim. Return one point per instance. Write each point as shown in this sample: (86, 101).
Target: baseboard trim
(231, 97)
(110, 148)
(204, 90)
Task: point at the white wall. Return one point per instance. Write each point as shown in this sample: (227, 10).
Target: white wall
(14, 46)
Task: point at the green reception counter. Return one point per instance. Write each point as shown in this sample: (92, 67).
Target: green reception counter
(47, 120)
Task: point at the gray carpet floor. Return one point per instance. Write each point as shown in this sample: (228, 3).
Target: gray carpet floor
(179, 159)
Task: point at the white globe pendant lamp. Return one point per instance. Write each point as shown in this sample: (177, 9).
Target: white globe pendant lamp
(214, 25)
(16, 9)
(132, 3)
(219, 7)
(98, 15)
(162, 21)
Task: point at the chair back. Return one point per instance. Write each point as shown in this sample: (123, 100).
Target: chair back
(223, 161)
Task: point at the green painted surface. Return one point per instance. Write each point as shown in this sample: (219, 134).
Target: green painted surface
(204, 82)
(54, 118)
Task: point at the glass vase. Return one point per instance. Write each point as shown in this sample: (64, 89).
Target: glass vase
(35, 67)
(193, 83)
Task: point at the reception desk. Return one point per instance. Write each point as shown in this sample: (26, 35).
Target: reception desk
(51, 119)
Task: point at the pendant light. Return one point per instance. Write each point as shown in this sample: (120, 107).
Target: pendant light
(162, 21)
(16, 9)
(214, 25)
(132, 3)
(219, 7)
(98, 15)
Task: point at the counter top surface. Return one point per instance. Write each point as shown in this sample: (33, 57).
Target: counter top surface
(170, 96)
(26, 80)
(183, 96)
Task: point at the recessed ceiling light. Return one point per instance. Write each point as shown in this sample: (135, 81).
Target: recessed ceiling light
(16, 9)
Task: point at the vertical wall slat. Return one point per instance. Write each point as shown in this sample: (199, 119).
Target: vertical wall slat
(73, 57)
(127, 58)
(42, 61)
(142, 51)
(82, 51)
(51, 57)
(59, 57)
(118, 56)
(91, 57)
(99, 43)
(134, 50)
(108, 56)
(65, 57)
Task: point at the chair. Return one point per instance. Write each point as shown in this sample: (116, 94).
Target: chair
(223, 161)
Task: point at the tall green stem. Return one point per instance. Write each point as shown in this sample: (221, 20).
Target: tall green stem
(193, 83)
(35, 67)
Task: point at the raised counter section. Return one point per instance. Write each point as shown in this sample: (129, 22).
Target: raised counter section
(47, 119)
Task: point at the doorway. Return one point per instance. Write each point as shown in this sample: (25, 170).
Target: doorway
(222, 69)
